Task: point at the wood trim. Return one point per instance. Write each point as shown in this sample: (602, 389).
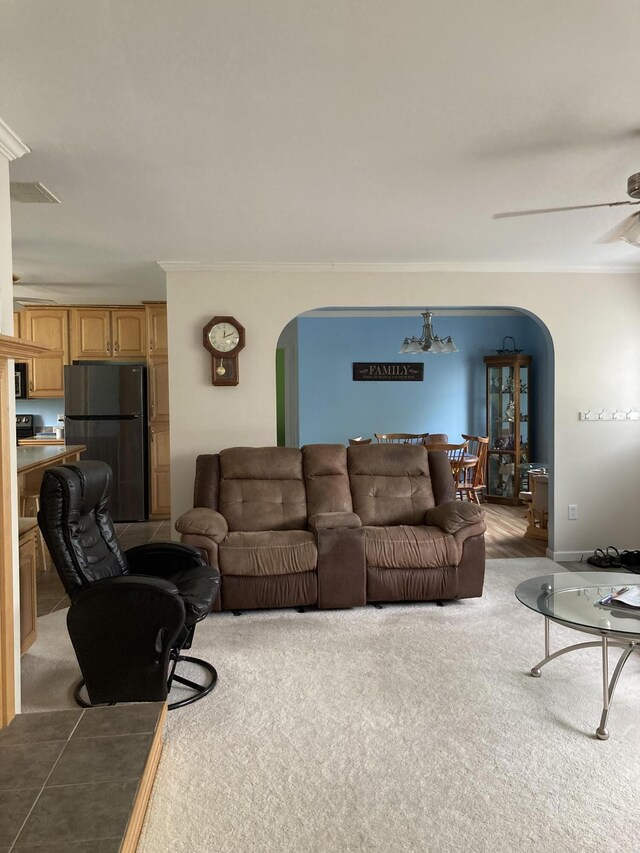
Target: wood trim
(7, 637)
(18, 348)
(143, 794)
(88, 306)
(40, 442)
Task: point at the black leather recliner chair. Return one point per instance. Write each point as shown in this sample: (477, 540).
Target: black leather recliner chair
(132, 613)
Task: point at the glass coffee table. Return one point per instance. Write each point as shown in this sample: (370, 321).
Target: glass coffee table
(571, 599)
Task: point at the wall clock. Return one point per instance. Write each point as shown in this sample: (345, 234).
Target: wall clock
(223, 337)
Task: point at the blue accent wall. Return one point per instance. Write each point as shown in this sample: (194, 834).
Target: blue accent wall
(451, 399)
(45, 410)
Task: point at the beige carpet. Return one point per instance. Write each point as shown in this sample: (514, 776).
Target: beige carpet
(413, 728)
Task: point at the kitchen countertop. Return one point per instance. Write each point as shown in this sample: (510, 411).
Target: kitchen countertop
(32, 458)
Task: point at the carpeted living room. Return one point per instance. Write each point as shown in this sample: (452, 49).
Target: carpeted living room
(457, 685)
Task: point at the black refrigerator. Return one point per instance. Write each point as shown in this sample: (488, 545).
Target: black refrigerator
(105, 409)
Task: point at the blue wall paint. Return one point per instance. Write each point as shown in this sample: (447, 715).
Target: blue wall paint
(45, 410)
(451, 398)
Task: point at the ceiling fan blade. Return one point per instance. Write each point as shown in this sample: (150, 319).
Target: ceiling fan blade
(32, 300)
(629, 227)
(512, 213)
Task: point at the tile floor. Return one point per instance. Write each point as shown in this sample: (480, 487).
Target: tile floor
(68, 779)
(50, 592)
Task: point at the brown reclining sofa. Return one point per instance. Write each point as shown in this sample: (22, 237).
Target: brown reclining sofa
(334, 526)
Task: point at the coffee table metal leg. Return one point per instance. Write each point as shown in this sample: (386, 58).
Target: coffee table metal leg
(608, 688)
(535, 671)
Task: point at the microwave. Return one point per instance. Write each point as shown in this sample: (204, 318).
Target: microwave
(22, 384)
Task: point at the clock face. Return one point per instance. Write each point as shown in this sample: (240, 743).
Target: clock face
(224, 337)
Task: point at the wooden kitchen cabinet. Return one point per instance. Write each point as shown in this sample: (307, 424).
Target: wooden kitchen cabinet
(159, 457)
(158, 382)
(159, 470)
(27, 530)
(128, 333)
(156, 317)
(158, 389)
(47, 327)
(107, 334)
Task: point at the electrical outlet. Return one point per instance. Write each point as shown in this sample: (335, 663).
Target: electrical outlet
(572, 512)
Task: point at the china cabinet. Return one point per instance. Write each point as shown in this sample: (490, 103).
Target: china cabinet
(508, 418)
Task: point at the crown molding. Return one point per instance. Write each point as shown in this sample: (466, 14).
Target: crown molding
(11, 146)
(267, 267)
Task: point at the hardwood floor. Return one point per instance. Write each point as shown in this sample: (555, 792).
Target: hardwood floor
(505, 533)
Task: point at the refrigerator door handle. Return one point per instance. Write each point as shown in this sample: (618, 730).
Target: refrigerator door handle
(103, 417)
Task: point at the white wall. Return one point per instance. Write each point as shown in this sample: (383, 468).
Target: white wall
(592, 319)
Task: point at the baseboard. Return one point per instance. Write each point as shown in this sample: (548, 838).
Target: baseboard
(568, 556)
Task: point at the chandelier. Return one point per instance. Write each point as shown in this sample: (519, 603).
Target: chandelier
(428, 340)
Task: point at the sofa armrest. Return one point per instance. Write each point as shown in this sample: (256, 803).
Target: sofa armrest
(453, 516)
(333, 520)
(203, 521)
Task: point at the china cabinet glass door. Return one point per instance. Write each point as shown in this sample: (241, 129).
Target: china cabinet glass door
(508, 414)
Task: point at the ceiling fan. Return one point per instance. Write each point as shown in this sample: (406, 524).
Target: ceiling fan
(20, 302)
(627, 230)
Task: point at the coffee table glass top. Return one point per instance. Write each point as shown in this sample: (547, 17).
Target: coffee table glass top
(571, 597)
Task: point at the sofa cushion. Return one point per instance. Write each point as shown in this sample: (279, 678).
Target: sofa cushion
(326, 478)
(269, 552)
(410, 547)
(390, 483)
(262, 488)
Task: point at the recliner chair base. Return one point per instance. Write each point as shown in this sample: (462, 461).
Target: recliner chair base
(199, 690)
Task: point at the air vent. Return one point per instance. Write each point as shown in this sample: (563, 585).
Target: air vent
(32, 194)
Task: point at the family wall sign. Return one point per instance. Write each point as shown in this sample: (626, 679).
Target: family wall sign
(388, 371)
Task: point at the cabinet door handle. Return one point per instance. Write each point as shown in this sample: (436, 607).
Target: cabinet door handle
(31, 385)
(150, 346)
(108, 349)
(152, 435)
(116, 347)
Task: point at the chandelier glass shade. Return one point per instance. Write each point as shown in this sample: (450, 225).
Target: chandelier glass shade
(428, 340)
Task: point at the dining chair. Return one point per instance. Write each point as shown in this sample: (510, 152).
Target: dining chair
(401, 437)
(472, 483)
(435, 438)
(456, 454)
